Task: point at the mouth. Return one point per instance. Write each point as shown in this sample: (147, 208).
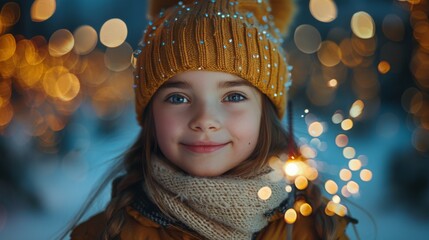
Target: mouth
(204, 147)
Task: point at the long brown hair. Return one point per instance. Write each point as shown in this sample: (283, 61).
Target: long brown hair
(273, 140)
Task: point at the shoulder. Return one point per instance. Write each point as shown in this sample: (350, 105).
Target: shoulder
(305, 228)
(91, 228)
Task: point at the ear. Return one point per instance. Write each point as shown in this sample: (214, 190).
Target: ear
(283, 12)
(155, 7)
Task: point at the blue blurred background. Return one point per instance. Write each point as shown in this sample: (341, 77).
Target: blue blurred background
(360, 72)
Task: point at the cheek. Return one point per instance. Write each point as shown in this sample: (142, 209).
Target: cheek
(165, 126)
(246, 127)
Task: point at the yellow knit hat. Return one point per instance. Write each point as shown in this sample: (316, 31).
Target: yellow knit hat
(241, 37)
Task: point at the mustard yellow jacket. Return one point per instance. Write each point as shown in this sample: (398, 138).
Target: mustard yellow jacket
(145, 221)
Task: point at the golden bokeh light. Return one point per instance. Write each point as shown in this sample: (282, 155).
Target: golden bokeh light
(307, 38)
(42, 10)
(383, 67)
(68, 86)
(7, 46)
(347, 124)
(355, 164)
(307, 151)
(341, 210)
(352, 187)
(337, 118)
(341, 140)
(349, 56)
(315, 129)
(30, 75)
(356, 109)
(349, 152)
(288, 188)
(333, 83)
(363, 25)
(365, 175)
(311, 173)
(329, 54)
(345, 174)
(37, 51)
(61, 42)
(323, 10)
(118, 59)
(86, 39)
(305, 209)
(264, 193)
(113, 33)
(331, 187)
(10, 14)
(336, 199)
(50, 80)
(301, 182)
(290, 216)
(95, 72)
(364, 47)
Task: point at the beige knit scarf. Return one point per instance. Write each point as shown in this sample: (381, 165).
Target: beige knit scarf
(217, 208)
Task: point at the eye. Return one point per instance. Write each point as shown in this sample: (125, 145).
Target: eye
(234, 97)
(177, 99)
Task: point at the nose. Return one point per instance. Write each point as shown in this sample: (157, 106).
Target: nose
(206, 118)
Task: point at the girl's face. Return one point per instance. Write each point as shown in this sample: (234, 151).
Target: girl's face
(207, 123)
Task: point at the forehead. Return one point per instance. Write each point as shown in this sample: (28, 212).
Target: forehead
(205, 79)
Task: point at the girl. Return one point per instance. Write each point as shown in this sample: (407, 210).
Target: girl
(210, 86)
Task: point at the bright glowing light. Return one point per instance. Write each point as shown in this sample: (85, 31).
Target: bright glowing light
(345, 174)
(307, 38)
(113, 33)
(290, 216)
(292, 168)
(347, 124)
(42, 10)
(366, 175)
(301, 182)
(315, 129)
(363, 25)
(86, 39)
(352, 187)
(355, 164)
(264, 193)
(288, 188)
(305, 209)
(333, 83)
(341, 140)
(61, 42)
(336, 199)
(331, 187)
(341, 210)
(349, 152)
(323, 10)
(357, 108)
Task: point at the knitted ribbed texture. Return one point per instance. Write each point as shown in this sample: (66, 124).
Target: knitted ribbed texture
(217, 208)
(237, 37)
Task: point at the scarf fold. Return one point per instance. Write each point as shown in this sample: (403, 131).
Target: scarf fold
(220, 207)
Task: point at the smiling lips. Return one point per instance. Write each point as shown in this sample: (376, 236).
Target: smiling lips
(204, 147)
